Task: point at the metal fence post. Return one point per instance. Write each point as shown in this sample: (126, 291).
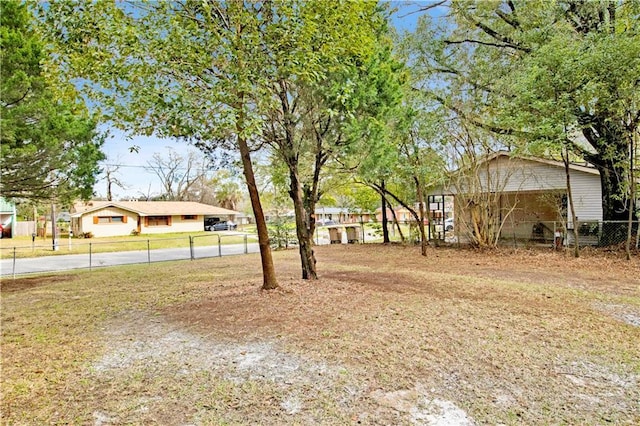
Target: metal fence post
(148, 251)
(90, 256)
(191, 247)
(246, 249)
(219, 247)
(14, 263)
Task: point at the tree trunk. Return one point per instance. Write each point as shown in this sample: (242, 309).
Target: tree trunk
(303, 227)
(109, 196)
(615, 203)
(396, 222)
(632, 197)
(611, 159)
(268, 271)
(403, 204)
(269, 281)
(423, 236)
(574, 219)
(385, 230)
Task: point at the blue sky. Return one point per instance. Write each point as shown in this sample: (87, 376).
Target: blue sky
(132, 170)
(131, 164)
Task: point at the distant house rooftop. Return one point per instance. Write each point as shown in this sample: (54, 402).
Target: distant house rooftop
(153, 208)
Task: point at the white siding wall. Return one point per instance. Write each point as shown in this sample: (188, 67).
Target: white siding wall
(516, 175)
(587, 195)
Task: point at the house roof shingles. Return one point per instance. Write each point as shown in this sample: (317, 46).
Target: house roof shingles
(154, 208)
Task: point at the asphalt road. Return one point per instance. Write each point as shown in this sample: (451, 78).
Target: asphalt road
(97, 260)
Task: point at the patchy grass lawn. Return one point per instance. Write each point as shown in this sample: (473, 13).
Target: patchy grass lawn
(384, 337)
(42, 247)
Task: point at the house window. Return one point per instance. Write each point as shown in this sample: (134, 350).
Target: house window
(158, 221)
(109, 219)
(189, 217)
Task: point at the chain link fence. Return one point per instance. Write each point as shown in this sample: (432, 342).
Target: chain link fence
(510, 233)
(67, 254)
(87, 254)
(583, 233)
(553, 234)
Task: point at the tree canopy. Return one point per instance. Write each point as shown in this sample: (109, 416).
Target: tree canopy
(50, 147)
(542, 75)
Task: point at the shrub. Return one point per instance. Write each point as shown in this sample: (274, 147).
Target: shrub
(281, 232)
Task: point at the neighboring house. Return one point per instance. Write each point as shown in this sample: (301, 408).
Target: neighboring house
(531, 194)
(324, 214)
(113, 218)
(7, 218)
(243, 219)
(363, 217)
(336, 214)
(402, 215)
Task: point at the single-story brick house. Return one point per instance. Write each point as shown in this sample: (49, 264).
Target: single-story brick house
(113, 218)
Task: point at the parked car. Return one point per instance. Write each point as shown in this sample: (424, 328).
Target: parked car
(448, 224)
(209, 222)
(326, 222)
(224, 226)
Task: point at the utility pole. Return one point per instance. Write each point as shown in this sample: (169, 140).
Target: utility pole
(54, 233)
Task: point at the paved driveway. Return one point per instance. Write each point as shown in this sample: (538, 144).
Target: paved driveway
(79, 261)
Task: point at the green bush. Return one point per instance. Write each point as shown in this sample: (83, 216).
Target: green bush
(282, 232)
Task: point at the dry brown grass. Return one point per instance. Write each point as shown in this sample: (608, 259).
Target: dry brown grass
(384, 337)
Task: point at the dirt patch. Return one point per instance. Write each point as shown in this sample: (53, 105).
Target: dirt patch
(625, 313)
(385, 336)
(147, 346)
(421, 408)
(469, 326)
(8, 285)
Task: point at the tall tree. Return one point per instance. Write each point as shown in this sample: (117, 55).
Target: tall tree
(179, 174)
(191, 69)
(506, 65)
(49, 144)
(319, 99)
(226, 190)
(110, 175)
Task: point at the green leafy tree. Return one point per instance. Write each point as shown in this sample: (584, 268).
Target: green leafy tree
(543, 73)
(226, 190)
(319, 101)
(50, 148)
(193, 70)
(400, 160)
